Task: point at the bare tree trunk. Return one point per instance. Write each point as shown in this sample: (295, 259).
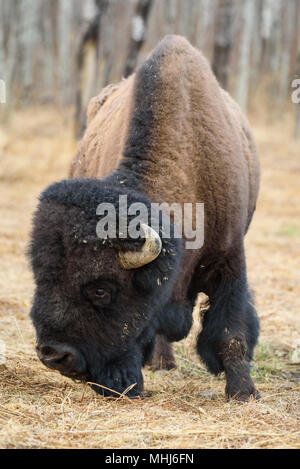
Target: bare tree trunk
(242, 86)
(296, 133)
(170, 10)
(274, 55)
(12, 18)
(105, 45)
(65, 50)
(28, 37)
(2, 53)
(205, 26)
(2, 66)
(192, 21)
(266, 28)
(48, 34)
(288, 22)
(87, 61)
(138, 34)
(223, 40)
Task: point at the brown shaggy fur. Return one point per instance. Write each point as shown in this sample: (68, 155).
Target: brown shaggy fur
(201, 148)
(196, 118)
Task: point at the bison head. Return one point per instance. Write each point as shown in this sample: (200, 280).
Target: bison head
(98, 302)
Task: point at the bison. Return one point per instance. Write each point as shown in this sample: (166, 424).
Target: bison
(104, 307)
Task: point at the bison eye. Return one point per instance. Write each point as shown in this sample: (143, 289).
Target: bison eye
(100, 296)
(101, 293)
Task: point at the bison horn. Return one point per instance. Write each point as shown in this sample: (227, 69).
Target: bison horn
(150, 251)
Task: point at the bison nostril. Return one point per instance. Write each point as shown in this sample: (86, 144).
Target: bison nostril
(63, 358)
(57, 357)
(45, 351)
(51, 353)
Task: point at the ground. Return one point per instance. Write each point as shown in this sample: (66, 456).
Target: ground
(183, 408)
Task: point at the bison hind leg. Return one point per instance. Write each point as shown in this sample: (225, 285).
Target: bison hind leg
(163, 356)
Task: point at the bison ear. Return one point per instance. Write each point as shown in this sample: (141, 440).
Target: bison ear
(150, 251)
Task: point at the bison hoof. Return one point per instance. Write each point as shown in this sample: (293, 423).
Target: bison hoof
(244, 396)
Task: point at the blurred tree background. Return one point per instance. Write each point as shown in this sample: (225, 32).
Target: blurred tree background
(65, 51)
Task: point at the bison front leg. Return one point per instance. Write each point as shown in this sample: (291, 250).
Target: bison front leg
(172, 324)
(175, 320)
(230, 330)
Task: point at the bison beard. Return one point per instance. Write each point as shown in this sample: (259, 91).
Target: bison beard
(168, 133)
(106, 343)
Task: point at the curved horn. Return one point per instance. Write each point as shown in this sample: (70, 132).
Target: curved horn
(150, 250)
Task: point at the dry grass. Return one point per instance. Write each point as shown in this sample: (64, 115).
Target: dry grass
(184, 408)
